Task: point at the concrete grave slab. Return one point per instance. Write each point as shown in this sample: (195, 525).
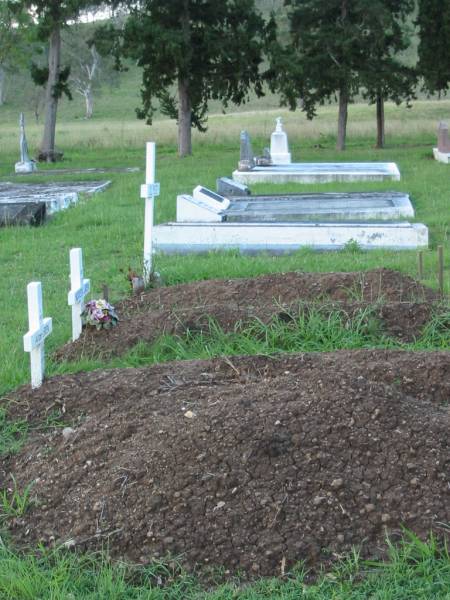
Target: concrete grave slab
(22, 213)
(338, 207)
(185, 238)
(318, 173)
(88, 171)
(57, 196)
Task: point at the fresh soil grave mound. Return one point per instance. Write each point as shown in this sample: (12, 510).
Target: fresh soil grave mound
(244, 463)
(402, 305)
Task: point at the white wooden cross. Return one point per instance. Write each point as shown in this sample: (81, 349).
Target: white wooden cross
(79, 287)
(148, 191)
(40, 328)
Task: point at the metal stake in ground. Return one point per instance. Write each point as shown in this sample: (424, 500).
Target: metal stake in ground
(40, 328)
(440, 250)
(148, 191)
(79, 288)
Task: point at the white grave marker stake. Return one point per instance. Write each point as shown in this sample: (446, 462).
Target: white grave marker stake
(79, 288)
(40, 328)
(148, 191)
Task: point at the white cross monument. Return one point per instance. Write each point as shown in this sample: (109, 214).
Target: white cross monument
(79, 288)
(149, 191)
(40, 328)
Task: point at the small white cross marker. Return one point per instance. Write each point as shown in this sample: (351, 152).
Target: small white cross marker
(148, 191)
(40, 328)
(79, 288)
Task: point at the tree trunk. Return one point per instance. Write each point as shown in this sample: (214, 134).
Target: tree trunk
(89, 99)
(2, 85)
(342, 119)
(184, 119)
(380, 121)
(47, 151)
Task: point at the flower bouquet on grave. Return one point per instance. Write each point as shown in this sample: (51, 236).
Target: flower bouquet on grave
(99, 314)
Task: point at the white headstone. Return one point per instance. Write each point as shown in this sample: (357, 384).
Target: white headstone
(148, 191)
(40, 328)
(79, 288)
(279, 149)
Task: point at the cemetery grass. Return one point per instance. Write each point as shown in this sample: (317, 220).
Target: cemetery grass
(414, 570)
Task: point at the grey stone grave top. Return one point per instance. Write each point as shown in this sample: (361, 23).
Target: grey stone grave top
(90, 170)
(443, 140)
(57, 196)
(246, 158)
(227, 187)
(323, 207)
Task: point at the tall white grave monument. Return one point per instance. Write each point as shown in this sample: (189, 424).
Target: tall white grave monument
(40, 328)
(79, 288)
(26, 164)
(148, 191)
(279, 149)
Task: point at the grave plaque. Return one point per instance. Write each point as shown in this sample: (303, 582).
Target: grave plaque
(227, 187)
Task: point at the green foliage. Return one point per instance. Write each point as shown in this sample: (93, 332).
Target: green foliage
(12, 434)
(213, 48)
(13, 502)
(339, 47)
(433, 20)
(412, 569)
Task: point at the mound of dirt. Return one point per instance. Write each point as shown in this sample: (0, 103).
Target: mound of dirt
(246, 463)
(402, 304)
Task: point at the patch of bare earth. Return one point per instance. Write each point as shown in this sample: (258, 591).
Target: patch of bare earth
(246, 462)
(402, 304)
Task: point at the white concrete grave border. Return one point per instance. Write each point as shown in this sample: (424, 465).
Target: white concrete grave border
(149, 191)
(79, 289)
(40, 328)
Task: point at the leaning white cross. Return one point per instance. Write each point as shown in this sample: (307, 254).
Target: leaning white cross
(148, 191)
(40, 328)
(79, 287)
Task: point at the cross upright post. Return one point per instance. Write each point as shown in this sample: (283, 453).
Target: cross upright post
(40, 328)
(148, 191)
(79, 289)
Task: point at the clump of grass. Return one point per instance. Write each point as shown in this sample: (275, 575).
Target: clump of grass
(12, 434)
(436, 333)
(13, 502)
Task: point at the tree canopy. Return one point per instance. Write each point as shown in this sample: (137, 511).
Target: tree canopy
(337, 47)
(191, 51)
(433, 19)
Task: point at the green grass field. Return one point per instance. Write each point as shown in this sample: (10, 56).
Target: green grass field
(109, 228)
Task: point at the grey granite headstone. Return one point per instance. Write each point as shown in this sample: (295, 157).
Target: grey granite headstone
(26, 164)
(227, 187)
(443, 140)
(246, 158)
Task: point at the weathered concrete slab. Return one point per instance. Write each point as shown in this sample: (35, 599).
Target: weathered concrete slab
(443, 157)
(88, 171)
(57, 196)
(22, 213)
(319, 173)
(186, 238)
(338, 207)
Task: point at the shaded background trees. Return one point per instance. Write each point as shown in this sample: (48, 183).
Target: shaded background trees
(190, 51)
